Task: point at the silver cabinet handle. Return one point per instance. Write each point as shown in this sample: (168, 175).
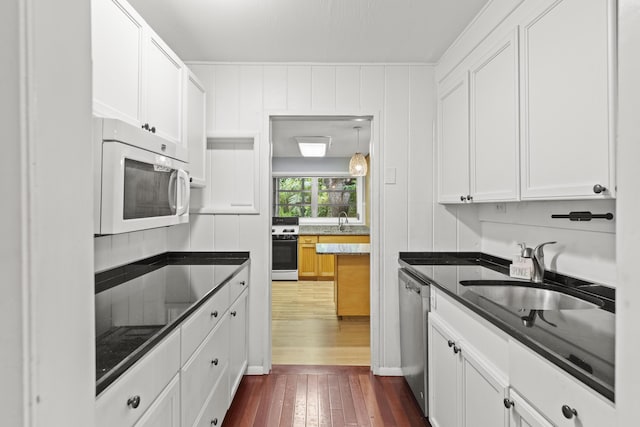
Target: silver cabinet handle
(508, 403)
(599, 189)
(456, 349)
(234, 313)
(215, 362)
(463, 198)
(451, 343)
(214, 313)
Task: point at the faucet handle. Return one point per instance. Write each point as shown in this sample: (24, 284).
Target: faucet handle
(525, 252)
(539, 247)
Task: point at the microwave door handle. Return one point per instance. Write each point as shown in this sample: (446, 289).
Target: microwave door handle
(183, 193)
(172, 190)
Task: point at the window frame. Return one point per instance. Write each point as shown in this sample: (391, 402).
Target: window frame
(360, 202)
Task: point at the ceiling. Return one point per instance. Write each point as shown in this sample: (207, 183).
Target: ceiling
(344, 140)
(336, 31)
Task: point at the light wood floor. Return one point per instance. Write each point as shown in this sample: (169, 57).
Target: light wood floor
(306, 331)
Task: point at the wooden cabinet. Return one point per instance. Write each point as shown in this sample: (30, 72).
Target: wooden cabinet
(307, 258)
(453, 140)
(464, 389)
(567, 72)
(136, 77)
(313, 266)
(494, 141)
(352, 285)
(196, 135)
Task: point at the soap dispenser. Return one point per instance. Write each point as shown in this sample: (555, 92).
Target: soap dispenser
(522, 265)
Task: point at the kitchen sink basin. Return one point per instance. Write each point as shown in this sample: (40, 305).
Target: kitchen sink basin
(528, 296)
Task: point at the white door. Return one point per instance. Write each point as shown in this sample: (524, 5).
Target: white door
(483, 393)
(494, 139)
(196, 138)
(116, 45)
(453, 140)
(164, 92)
(443, 376)
(567, 139)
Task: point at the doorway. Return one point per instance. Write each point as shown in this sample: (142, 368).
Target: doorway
(308, 321)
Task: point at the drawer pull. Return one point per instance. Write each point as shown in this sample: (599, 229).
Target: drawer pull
(215, 361)
(451, 343)
(569, 412)
(214, 313)
(214, 422)
(456, 349)
(234, 313)
(508, 403)
(134, 402)
(242, 283)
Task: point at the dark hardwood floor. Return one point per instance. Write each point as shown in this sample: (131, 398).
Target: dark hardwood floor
(294, 395)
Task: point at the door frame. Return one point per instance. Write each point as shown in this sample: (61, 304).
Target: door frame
(375, 202)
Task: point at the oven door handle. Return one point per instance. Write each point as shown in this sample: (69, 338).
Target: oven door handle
(183, 193)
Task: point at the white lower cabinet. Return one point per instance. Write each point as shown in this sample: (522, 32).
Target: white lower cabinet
(522, 414)
(237, 342)
(165, 411)
(465, 390)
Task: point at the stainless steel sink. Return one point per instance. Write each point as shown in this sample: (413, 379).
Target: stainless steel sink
(522, 295)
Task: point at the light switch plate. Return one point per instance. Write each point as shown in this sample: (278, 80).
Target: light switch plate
(390, 175)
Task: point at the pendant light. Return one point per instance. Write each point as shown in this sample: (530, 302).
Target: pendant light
(358, 164)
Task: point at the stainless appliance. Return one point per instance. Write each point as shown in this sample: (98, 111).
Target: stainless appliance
(414, 297)
(284, 235)
(137, 183)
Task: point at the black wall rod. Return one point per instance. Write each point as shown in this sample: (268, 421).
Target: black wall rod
(583, 216)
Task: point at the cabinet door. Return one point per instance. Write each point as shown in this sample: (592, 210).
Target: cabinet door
(326, 265)
(443, 376)
(164, 92)
(116, 48)
(165, 411)
(307, 261)
(494, 156)
(238, 342)
(196, 138)
(453, 141)
(524, 415)
(567, 138)
(483, 393)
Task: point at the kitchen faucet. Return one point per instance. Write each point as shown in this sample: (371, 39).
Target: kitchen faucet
(340, 223)
(537, 255)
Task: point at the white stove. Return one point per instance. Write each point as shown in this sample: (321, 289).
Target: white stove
(284, 236)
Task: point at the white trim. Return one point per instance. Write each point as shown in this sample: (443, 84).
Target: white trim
(375, 202)
(256, 370)
(388, 372)
(316, 64)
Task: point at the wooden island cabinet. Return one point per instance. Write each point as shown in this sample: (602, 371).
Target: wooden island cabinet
(314, 266)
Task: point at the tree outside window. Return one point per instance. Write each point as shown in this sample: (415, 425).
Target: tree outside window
(316, 197)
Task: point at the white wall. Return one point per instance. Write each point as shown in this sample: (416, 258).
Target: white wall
(310, 165)
(238, 97)
(47, 356)
(119, 249)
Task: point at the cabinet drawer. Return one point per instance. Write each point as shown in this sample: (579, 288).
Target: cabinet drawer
(237, 284)
(200, 323)
(144, 380)
(486, 338)
(217, 403)
(308, 239)
(165, 411)
(548, 388)
(203, 370)
(344, 239)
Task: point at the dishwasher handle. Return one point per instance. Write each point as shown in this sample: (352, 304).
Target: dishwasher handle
(412, 286)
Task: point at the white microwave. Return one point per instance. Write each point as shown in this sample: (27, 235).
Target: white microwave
(137, 184)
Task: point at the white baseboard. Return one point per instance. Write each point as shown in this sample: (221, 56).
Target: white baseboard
(256, 370)
(388, 372)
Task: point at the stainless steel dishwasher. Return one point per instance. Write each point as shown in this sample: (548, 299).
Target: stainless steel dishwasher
(414, 309)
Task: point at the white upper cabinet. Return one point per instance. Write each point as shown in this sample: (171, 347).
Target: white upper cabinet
(567, 72)
(116, 40)
(453, 141)
(136, 77)
(196, 136)
(164, 90)
(494, 154)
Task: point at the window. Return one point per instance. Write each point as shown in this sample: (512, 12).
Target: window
(317, 197)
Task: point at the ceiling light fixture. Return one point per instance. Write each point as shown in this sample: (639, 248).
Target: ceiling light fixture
(358, 164)
(313, 146)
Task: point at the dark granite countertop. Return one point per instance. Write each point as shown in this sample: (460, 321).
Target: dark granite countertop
(139, 304)
(581, 342)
